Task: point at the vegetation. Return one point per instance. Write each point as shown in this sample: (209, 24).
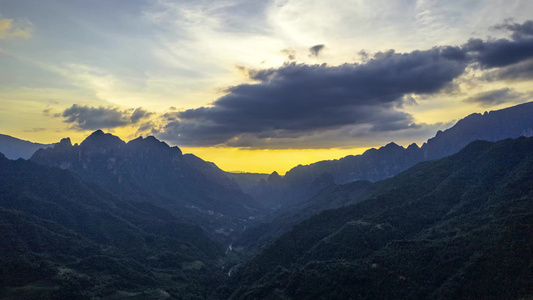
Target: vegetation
(459, 227)
(65, 238)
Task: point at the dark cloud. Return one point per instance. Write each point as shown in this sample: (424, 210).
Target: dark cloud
(296, 100)
(519, 31)
(349, 136)
(148, 128)
(138, 114)
(316, 49)
(364, 56)
(298, 105)
(500, 53)
(290, 53)
(91, 118)
(520, 71)
(503, 52)
(494, 97)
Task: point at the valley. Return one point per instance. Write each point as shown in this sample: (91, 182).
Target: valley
(108, 219)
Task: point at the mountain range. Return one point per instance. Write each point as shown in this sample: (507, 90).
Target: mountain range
(109, 219)
(455, 228)
(14, 148)
(387, 161)
(148, 170)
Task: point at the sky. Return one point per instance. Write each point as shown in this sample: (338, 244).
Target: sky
(260, 86)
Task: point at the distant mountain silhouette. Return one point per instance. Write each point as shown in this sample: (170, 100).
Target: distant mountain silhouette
(64, 238)
(146, 169)
(454, 228)
(387, 161)
(247, 181)
(14, 148)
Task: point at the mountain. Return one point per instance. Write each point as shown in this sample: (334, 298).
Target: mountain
(387, 161)
(458, 227)
(329, 197)
(14, 148)
(247, 181)
(65, 238)
(146, 169)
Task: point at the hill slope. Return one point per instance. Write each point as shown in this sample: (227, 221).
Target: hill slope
(14, 148)
(64, 238)
(459, 227)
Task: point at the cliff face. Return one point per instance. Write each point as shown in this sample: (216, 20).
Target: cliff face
(387, 161)
(147, 170)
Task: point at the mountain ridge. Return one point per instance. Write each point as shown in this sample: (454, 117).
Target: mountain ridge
(146, 169)
(391, 159)
(14, 148)
(457, 227)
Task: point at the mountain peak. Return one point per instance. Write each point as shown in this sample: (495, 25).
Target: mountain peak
(274, 177)
(101, 139)
(413, 146)
(64, 143)
(151, 142)
(392, 145)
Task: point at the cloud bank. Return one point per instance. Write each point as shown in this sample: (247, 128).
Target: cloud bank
(298, 100)
(91, 118)
(494, 97)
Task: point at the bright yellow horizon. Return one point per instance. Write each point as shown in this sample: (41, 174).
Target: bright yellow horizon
(267, 161)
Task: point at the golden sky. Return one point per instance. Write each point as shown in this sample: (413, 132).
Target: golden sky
(259, 86)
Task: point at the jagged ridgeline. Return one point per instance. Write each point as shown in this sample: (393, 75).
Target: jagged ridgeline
(456, 228)
(147, 170)
(389, 160)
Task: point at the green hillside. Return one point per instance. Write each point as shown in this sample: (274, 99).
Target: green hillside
(459, 227)
(64, 238)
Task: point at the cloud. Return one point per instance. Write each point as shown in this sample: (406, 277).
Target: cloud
(315, 50)
(519, 31)
(290, 53)
(519, 71)
(494, 97)
(503, 52)
(298, 100)
(138, 114)
(91, 118)
(37, 129)
(15, 29)
(148, 128)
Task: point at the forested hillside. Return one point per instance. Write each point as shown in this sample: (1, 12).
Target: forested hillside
(64, 238)
(459, 227)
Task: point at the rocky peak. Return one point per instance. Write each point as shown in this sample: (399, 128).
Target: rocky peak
(274, 178)
(392, 147)
(63, 144)
(413, 147)
(102, 142)
(151, 142)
